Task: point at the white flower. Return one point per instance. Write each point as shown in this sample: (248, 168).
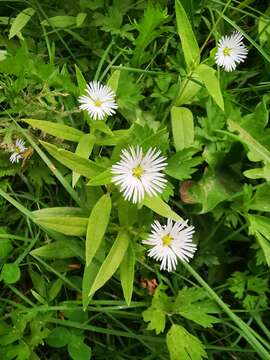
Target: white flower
(18, 149)
(99, 101)
(231, 51)
(171, 242)
(138, 174)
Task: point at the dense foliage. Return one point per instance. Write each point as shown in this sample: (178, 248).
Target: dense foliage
(76, 281)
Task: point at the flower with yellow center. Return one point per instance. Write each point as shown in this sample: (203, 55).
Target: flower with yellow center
(231, 51)
(170, 243)
(18, 149)
(137, 174)
(99, 100)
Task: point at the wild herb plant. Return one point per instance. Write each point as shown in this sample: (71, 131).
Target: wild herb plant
(134, 180)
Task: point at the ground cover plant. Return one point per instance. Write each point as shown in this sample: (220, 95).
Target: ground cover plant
(134, 179)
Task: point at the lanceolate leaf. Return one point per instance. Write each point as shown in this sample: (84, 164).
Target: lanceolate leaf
(127, 273)
(182, 127)
(97, 225)
(59, 130)
(208, 77)
(20, 21)
(84, 149)
(160, 207)
(188, 39)
(112, 261)
(74, 162)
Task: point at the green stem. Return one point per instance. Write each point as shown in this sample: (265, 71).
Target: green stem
(251, 339)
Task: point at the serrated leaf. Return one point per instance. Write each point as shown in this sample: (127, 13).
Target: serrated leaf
(182, 165)
(182, 345)
(97, 224)
(260, 227)
(156, 313)
(182, 127)
(127, 273)
(193, 304)
(188, 40)
(112, 261)
(157, 205)
(20, 21)
(59, 130)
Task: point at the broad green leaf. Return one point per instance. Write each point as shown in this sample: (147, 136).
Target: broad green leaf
(209, 191)
(58, 211)
(59, 250)
(117, 136)
(114, 80)
(207, 75)
(182, 127)
(10, 273)
(100, 126)
(58, 337)
(84, 149)
(183, 164)
(112, 261)
(127, 273)
(189, 43)
(194, 304)
(156, 313)
(20, 21)
(259, 173)
(60, 21)
(97, 225)
(157, 205)
(78, 350)
(182, 345)
(74, 162)
(59, 130)
(103, 178)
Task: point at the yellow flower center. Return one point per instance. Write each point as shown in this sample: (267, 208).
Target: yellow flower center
(226, 51)
(167, 239)
(137, 171)
(17, 150)
(98, 103)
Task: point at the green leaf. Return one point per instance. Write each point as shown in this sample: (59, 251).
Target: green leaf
(261, 199)
(112, 261)
(59, 130)
(260, 227)
(189, 87)
(127, 273)
(114, 80)
(60, 21)
(127, 212)
(59, 250)
(74, 162)
(54, 289)
(84, 150)
(20, 21)
(182, 165)
(10, 273)
(189, 43)
(156, 313)
(209, 191)
(97, 225)
(80, 19)
(62, 220)
(78, 350)
(58, 337)
(182, 345)
(193, 304)
(80, 80)
(182, 127)
(157, 205)
(103, 178)
(207, 75)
